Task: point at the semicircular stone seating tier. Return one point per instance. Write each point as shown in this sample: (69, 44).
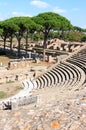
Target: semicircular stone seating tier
(64, 75)
(68, 74)
(73, 73)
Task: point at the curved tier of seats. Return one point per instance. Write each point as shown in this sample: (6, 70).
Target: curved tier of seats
(71, 75)
(67, 74)
(78, 63)
(80, 79)
(63, 75)
(79, 59)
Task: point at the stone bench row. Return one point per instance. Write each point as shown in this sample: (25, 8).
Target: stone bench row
(79, 56)
(81, 53)
(79, 59)
(65, 73)
(74, 74)
(81, 79)
(79, 62)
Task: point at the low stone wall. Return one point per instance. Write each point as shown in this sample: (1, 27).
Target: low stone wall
(16, 77)
(19, 102)
(18, 63)
(24, 101)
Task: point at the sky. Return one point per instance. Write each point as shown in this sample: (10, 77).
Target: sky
(73, 10)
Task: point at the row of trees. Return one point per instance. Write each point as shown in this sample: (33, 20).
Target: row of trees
(72, 36)
(45, 23)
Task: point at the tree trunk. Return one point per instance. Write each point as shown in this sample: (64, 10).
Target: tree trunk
(19, 37)
(44, 54)
(44, 46)
(11, 44)
(4, 44)
(26, 42)
(19, 41)
(62, 34)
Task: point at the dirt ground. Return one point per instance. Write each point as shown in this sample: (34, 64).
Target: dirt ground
(4, 60)
(12, 88)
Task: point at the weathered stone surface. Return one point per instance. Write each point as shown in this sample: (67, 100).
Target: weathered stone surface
(63, 115)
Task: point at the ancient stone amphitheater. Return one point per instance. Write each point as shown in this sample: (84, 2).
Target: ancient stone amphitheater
(51, 112)
(68, 74)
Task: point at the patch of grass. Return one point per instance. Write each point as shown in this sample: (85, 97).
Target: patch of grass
(18, 88)
(2, 94)
(1, 83)
(10, 81)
